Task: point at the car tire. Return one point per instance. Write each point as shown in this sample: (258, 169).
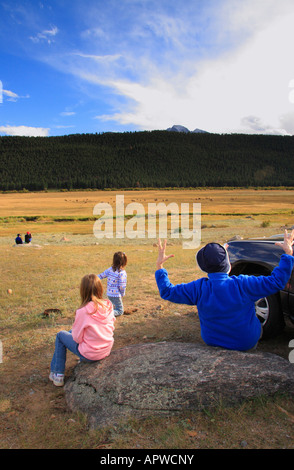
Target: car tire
(269, 312)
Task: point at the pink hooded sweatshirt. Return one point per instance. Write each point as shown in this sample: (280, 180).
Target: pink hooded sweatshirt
(93, 330)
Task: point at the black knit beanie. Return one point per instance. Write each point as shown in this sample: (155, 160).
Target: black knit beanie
(213, 258)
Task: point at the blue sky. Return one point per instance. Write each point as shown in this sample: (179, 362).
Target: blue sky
(86, 66)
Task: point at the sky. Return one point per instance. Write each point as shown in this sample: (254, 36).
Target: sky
(87, 66)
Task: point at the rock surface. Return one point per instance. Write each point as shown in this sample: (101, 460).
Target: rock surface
(167, 378)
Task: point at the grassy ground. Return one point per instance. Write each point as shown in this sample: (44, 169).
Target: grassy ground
(47, 274)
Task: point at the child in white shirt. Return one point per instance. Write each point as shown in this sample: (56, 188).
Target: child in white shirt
(116, 281)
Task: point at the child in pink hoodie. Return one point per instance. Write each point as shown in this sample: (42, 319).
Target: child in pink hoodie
(91, 336)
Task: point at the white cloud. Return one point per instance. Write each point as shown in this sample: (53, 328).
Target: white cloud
(45, 35)
(11, 96)
(93, 33)
(254, 125)
(169, 29)
(25, 131)
(287, 122)
(252, 80)
(63, 127)
(99, 58)
(67, 113)
(222, 66)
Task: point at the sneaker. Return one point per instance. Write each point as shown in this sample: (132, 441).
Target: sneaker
(57, 379)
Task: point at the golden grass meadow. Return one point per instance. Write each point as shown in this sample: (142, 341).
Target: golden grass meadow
(46, 274)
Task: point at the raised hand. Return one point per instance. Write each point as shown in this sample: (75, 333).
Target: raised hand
(287, 243)
(162, 258)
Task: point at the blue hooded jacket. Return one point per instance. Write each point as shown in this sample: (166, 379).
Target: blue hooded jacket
(226, 304)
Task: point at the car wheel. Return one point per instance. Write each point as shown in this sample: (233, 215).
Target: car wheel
(269, 312)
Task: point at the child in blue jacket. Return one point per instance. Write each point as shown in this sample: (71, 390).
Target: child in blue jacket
(226, 305)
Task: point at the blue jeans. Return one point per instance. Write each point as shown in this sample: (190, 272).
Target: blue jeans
(64, 341)
(118, 308)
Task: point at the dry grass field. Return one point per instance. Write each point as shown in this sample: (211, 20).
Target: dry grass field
(214, 201)
(47, 274)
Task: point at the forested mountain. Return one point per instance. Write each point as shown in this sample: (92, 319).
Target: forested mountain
(145, 159)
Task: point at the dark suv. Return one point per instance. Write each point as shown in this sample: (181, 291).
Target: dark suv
(259, 256)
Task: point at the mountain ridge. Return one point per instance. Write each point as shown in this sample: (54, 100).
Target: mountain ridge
(180, 128)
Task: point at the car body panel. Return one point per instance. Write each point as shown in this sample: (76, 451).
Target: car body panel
(260, 256)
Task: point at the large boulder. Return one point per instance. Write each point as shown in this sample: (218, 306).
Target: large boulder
(165, 378)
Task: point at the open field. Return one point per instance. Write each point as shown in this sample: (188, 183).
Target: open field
(214, 201)
(72, 212)
(47, 274)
